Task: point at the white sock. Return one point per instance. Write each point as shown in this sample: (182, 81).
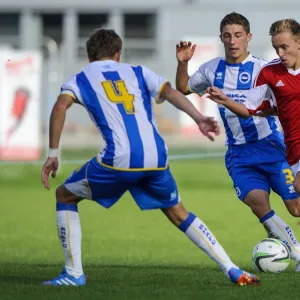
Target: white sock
(69, 233)
(199, 234)
(277, 228)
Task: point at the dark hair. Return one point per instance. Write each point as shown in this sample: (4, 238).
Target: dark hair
(235, 18)
(103, 43)
(285, 25)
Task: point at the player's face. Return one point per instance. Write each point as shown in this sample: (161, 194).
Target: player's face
(235, 40)
(287, 47)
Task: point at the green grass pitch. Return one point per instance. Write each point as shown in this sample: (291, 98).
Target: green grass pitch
(133, 254)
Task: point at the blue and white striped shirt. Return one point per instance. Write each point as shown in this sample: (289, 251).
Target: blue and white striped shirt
(118, 98)
(235, 80)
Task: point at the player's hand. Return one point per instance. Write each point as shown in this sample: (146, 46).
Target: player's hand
(272, 111)
(49, 168)
(185, 51)
(208, 125)
(216, 95)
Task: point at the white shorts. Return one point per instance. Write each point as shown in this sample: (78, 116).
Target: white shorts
(296, 168)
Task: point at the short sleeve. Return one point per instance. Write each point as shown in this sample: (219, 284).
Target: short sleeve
(155, 84)
(199, 82)
(70, 88)
(260, 96)
(258, 99)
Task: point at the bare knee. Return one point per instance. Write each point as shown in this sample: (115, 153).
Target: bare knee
(297, 183)
(64, 196)
(176, 214)
(258, 201)
(293, 206)
(295, 212)
(297, 186)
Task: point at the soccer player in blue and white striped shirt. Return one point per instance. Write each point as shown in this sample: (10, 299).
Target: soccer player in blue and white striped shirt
(256, 156)
(118, 97)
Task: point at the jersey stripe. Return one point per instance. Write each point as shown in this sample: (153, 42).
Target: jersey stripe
(230, 138)
(244, 79)
(160, 144)
(135, 141)
(249, 129)
(244, 82)
(272, 123)
(219, 83)
(94, 108)
(220, 75)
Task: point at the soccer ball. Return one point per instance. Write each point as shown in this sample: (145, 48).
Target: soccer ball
(271, 255)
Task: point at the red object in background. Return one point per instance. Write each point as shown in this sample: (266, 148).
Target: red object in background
(19, 105)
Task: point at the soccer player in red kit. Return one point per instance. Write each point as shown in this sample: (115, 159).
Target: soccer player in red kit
(281, 79)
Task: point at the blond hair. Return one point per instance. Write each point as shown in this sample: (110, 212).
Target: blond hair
(285, 25)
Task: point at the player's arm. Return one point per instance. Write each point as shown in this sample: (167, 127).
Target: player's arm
(182, 78)
(206, 125)
(196, 83)
(184, 52)
(160, 89)
(219, 97)
(177, 99)
(272, 111)
(255, 101)
(69, 94)
(57, 119)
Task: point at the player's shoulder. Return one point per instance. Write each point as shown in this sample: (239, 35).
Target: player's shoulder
(210, 65)
(135, 66)
(70, 81)
(142, 70)
(123, 65)
(136, 69)
(260, 62)
(271, 66)
(214, 62)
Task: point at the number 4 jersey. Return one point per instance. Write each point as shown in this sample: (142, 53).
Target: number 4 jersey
(118, 98)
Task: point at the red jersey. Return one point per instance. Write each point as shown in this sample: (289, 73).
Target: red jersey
(284, 85)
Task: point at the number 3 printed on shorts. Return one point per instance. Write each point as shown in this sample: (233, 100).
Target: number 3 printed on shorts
(117, 92)
(289, 176)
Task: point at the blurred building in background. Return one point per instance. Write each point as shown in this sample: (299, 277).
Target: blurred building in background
(150, 30)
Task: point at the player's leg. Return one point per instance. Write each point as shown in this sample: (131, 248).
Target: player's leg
(281, 180)
(199, 233)
(259, 203)
(91, 181)
(296, 172)
(69, 228)
(286, 184)
(159, 190)
(293, 206)
(252, 186)
(275, 226)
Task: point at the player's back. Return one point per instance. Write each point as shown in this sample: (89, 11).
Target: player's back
(118, 97)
